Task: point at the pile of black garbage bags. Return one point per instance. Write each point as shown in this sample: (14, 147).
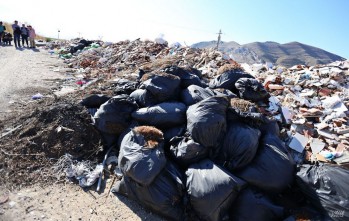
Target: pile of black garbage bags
(191, 149)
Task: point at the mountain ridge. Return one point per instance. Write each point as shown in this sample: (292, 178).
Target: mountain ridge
(287, 54)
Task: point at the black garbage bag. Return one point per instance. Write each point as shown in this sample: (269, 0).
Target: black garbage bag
(162, 86)
(114, 116)
(212, 190)
(239, 146)
(224, 92)
(77, 47)
(72, 49)
(174, 132)
(143, 98)
(94, 100)
(194, 94)
(206, 121)
(251, 89)
(252, 204)
(186, 77)
(327, 188)
(245, 111)
(272, 169)
(142, 154)
(124, 86)
(185, 151)
(194, 71)
(140, 73)
(164, 115)
(228, 78)
(85, 42)
(163, 196)
(132, 125)
(270, 127)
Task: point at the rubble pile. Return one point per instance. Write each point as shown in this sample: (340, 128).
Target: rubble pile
(131, 55)
(197, 136)
(312, 103)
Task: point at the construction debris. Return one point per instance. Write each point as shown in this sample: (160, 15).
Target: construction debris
(175, 111)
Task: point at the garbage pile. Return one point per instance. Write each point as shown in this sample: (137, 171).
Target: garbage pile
(202, 138)
(198, 136)
(128, 55)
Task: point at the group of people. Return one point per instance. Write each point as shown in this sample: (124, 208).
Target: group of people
(18, 33)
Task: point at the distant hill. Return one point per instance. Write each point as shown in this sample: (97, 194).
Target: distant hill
(287, 55)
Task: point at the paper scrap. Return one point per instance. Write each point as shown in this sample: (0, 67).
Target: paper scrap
(316, 146)
(298, 142)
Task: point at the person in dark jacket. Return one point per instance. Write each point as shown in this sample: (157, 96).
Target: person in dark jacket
(7, 38)
(24, 34)
(16, 34)
(2, 31)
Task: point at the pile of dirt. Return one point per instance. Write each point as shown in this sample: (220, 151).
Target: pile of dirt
(44, 135)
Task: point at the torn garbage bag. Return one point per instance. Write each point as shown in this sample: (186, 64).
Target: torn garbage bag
(114, 116)
(206, 120)
(272, 169)
(254, 205)
(162, 86)
(239, 146)
(142, 156)
(94, 100)
(251, 89)
(212, 190)
(186, 77)
(224, 92)
(163, 115)
(194, 94)
(124, 86)
(185, 151)
(163, 196)
(228, 76)
(245, 111)
(327, 188)
(174, 132)
(143, 98)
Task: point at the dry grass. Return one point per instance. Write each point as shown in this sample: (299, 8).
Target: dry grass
(242, 105)
(160, 64)
(150, 75)
(228, 67)
(151, 135)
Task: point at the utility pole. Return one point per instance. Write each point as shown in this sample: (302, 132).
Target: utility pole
(219, 38)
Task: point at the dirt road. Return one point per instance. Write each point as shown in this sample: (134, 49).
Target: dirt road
(24, 73)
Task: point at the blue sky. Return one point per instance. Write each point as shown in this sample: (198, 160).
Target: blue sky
(320, 23)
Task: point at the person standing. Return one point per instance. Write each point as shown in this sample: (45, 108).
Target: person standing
(32, 36)
(24, 34)
(2, 31)
(16, 34)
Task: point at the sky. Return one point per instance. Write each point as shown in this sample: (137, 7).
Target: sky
(320, 23)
